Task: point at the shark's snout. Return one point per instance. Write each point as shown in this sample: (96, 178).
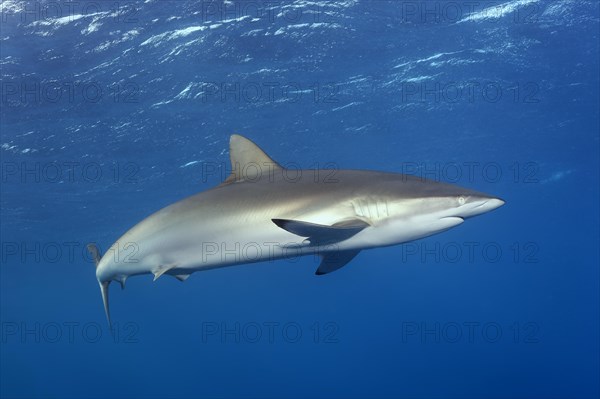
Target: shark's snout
(479, 205)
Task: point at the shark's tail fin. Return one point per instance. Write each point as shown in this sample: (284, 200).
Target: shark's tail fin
(95, 252)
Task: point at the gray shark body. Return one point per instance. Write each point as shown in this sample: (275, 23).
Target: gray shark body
(265, 212)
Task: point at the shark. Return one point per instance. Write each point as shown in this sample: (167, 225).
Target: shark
(263, 211)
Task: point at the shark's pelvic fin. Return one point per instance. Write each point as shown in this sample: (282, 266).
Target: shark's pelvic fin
(248, 161)
(159, 271)
(122, 280)
(333, 261)
(318, 234)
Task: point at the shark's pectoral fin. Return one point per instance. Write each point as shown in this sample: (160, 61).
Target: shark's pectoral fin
(318, 234)
(182, 277)
(162, 269)
(333, 261)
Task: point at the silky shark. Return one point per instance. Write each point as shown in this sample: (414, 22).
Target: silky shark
(263, 211)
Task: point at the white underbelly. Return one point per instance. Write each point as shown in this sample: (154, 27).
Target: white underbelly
(201, 247)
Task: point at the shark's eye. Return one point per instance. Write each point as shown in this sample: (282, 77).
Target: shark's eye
(461, 200)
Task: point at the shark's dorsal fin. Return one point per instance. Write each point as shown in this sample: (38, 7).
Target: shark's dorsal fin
(248, 161)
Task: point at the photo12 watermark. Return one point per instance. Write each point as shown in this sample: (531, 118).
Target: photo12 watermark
(64, 252)
(526, 172)
(269, 332)
(260, 92)
(65, 172)
(463, 253)
(276, 12)
(68, 332)
(469, 252)
(29, 92)
(43, 13)
(469, 332)
(453, 12)
(254, 172)
(427, 91)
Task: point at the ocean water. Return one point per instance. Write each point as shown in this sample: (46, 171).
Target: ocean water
(113, 110)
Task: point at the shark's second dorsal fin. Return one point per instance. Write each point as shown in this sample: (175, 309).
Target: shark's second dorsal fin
(248, 161)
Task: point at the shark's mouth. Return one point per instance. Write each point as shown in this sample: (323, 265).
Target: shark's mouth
(482, 204)
(458, 219)
(448, 222)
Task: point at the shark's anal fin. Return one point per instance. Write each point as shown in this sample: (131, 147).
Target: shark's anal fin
(318, 234)
(333, 261)
(182, 277)
(162, 269)
(248, 161)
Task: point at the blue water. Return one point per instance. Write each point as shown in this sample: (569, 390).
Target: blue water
(113, 110)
